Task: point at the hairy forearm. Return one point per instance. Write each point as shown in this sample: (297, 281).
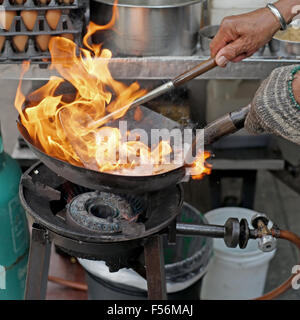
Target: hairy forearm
(240, 36)
(288, 8)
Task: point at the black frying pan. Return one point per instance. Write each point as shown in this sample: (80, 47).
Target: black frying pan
(137, 184)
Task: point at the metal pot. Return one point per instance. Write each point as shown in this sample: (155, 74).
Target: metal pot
(206, 35)
(286, 48)
(149, 28)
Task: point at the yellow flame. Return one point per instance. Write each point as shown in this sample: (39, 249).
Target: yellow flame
(57, 121)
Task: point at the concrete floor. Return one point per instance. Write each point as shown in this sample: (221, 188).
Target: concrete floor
(279, 202)
(281, 205)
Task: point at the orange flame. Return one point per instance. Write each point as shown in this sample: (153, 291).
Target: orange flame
(200, 167)
(57, 122)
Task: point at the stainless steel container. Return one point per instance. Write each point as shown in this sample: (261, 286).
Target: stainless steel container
(149, 27)
(206, 35)
(286, 48)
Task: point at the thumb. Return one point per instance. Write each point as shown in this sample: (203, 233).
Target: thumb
(230, 52)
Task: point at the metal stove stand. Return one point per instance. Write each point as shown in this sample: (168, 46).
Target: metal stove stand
(45, 197)
(40, 252)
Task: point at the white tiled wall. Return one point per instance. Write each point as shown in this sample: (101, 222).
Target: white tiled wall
(223, 8)
(239, 3)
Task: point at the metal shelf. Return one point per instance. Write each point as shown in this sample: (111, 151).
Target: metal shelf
(153, 68)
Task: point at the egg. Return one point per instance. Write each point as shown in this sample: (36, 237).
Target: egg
(52, 17)
(42, 41)
(19, 42)
(43, 2)
(29, 18)
(6, 19)
(68, 2)
(2, 40)
(19, 2)
(68, 36)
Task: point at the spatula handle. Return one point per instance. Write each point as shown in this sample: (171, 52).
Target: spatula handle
(227, 124)
(194, 72)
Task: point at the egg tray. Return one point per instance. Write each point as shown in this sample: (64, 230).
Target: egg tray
(69, 22)
(31, 5)
(31, 51)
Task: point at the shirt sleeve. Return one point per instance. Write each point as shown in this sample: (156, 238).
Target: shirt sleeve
(274, 108)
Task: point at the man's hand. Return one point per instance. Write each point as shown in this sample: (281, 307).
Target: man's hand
(242, 35)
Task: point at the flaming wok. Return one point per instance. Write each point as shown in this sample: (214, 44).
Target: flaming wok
(97, 180)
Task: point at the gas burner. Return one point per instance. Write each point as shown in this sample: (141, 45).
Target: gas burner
(124, 230)
(103, 212)
(82, 214)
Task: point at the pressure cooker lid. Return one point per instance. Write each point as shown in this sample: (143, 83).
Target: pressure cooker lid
(151, 3)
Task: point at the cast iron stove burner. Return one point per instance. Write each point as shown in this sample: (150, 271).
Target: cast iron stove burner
(143, 219)
(54, 202)
(137, 245)
(103, 212)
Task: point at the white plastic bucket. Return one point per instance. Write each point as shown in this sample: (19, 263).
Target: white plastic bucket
(234, 273)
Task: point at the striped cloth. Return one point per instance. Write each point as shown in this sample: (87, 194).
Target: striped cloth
(273, 110)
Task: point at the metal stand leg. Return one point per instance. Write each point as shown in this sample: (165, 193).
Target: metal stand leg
(248, 190)
(38, 265)
(155, 268)
(215, 189)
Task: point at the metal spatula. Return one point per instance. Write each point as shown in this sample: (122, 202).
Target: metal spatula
(176, 82)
